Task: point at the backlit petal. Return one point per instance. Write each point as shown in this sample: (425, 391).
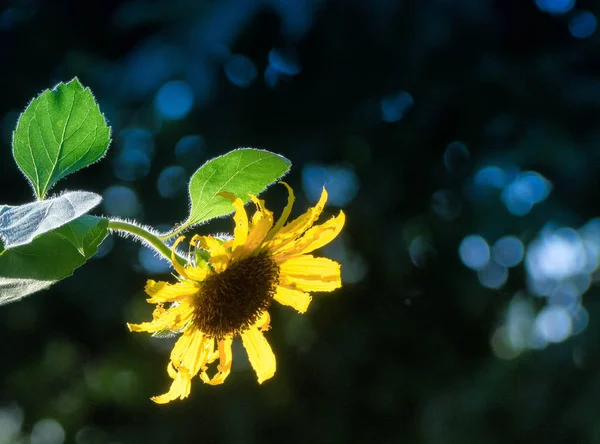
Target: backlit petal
(166, 292)
(285, 214)
(199, 350)
(260, 355)
(180, 388)
(316, 237)
(219, 258)
(310, 267)
(262, 221)
(174, 318)
(224, 367)
(298, 226)
(310, 284)
(178, 267)
(294, 298)
(240, 232)
(264, 321)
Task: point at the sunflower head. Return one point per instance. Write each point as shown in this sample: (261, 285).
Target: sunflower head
(264, 261)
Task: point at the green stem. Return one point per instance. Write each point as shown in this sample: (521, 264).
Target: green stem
(142, 234)
(173, 233)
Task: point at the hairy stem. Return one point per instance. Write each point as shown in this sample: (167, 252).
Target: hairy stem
(145, 236)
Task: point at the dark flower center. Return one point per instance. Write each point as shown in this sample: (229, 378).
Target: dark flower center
(231, 301)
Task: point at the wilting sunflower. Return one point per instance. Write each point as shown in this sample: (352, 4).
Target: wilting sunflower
(210, 305)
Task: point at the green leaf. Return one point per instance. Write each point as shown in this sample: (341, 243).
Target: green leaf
(19, 225)
(60, 132)
(49, 258)
(241, 172)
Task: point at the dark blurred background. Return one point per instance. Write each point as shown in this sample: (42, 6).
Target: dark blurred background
(462, 139)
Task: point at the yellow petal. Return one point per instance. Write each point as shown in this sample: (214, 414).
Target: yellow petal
(294, 298)
(264, 321)
(178, 267)
(175, 318)
(196, 273)
(304, 284)
(285, 214)
(194, 353)
(166, 292)
(224, 367)
(262, 221)
(314, 238)
(218, 255)
(310, 267)
(298, 226)
(260, 355)
(180, 388)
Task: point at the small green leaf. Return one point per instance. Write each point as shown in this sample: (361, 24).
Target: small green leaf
(60, 132)
(241, 172)
(19, 225)
(49, 258)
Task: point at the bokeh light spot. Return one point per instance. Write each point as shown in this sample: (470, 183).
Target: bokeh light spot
(240, 70)
(579, 319)
(508, 251)
(11, 421)
(556, 255)
(565, 295)
(151, 262)
(583, 24)
(553, 323)
(121, 201)
(456, 156)
(171, 181)
(446, 204)
(286, 62)
(136, 139)
(493, 275)
(395, 106)
(555, 6)
(474, 252)
(105, 247)
(189, 151)
(131, 165)
(526, 190)
(47, 431)
(341, 183)
(174, 100)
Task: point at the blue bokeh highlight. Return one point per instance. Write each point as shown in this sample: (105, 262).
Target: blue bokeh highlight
(474, 252)
(174, 100)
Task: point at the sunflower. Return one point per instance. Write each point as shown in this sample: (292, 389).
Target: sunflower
(210, 305)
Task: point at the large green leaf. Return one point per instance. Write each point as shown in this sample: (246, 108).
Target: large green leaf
(241, 172)
(60, 132)
(49, 258)
(19, 225)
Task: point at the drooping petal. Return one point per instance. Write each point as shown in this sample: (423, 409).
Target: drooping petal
(294, 298)
(182, 345)
(224, 367)
(174, 318)
(285, 214)
(178, 267)
(167, 292)
(262, 221)
(298, 226)
(219, 258)
(180, 388)
(260, 355)
(193, 353)
(321, 284)
(316, 237)
(240, 232)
